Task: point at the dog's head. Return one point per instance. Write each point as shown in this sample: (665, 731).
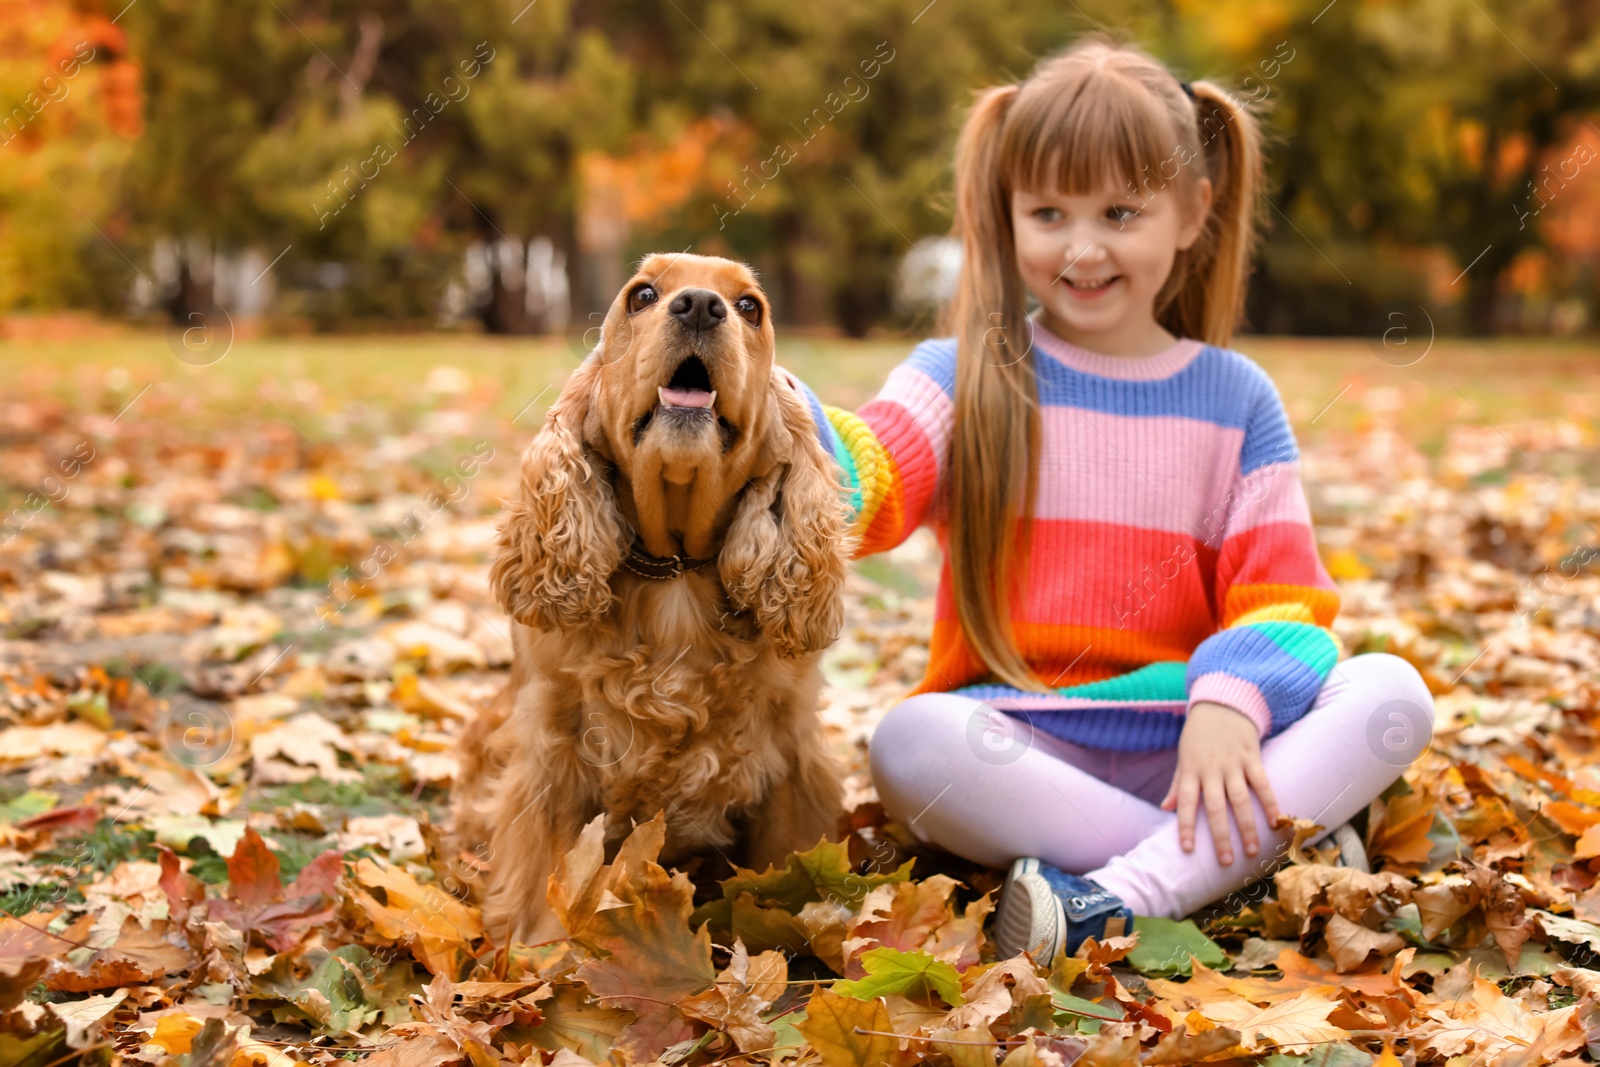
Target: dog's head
(688, 357)
(679, 429)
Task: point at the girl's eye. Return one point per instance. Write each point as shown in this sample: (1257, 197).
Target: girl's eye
(642, 297)
(1122, 214)
(750, 309)
(1047, 214)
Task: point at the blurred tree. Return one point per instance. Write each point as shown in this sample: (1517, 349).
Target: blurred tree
(846, 115)
(1397, 127)
(372, 142)
(378, 136)
(69, 110)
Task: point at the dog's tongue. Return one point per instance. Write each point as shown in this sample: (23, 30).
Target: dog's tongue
(686, 398)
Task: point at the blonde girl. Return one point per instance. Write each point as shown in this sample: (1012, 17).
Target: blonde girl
(1132, 669)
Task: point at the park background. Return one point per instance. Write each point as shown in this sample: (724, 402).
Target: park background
(414, 163)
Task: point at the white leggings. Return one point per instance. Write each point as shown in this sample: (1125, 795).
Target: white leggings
(990, 788)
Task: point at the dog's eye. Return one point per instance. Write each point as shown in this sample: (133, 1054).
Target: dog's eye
(750, 308)
(642, 297)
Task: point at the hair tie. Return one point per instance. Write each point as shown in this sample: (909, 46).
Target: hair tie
(1188, 89)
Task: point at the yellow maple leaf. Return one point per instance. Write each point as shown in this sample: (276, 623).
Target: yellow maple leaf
(847, 1032)
(438, 927)
(175, 1032)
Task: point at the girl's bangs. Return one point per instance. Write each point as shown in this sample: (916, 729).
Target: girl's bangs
(1118, 132)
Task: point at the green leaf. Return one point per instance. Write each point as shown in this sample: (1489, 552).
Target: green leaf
(176, 831)
(1165, 946)
(33, 802)
(1340, 1055)
(1109, 1011)
(786, 1027)
(92, 707)
(823, 872)
(915, 974)
(348, 990)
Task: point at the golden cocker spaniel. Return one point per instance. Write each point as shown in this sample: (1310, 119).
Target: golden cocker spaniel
(674, 565)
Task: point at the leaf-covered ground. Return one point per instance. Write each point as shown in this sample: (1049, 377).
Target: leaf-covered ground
(244, 615)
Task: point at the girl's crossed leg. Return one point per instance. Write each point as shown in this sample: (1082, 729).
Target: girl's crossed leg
(962, 775)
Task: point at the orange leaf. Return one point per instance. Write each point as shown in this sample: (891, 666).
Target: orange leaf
(253, 872)
(1571, 818)
(1402, 835)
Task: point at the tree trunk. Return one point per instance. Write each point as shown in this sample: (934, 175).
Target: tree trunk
(197, 287)
(506, 311)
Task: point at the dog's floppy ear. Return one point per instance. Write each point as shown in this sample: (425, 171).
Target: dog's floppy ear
(561, 537)
(785, 555)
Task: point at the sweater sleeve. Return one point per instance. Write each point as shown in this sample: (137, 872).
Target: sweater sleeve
(1275, 600)
(893, 452)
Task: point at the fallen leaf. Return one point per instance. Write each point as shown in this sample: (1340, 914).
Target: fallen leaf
(847, 1032)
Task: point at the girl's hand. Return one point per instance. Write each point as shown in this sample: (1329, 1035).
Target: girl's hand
(1219, 756)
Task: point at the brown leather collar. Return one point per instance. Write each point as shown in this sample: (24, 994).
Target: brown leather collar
(661, 568)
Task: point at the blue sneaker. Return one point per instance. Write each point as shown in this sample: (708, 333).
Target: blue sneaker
(1045, 911)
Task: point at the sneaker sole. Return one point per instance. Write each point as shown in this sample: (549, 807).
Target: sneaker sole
(1029, 918)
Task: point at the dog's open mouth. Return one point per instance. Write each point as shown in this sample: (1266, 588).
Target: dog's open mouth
(690, 387)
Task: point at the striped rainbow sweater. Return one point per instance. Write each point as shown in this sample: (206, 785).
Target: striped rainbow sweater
(1173, 557)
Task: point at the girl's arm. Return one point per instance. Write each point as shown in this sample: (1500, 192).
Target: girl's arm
(893, 452)
(1274, 597)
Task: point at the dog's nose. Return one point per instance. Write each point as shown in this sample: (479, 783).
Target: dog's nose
(698, 309)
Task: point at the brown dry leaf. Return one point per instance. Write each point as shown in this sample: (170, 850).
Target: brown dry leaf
(1042, 1050)
(23, 744)
(577, 884)
(305, 747)
(917, 917)
(1114, 1046)
(1445, 903)
(1183, 1047)
(1351, 943)
(993, 991)
(138, 956)
(1580, 980)
(743, 990)
(1102, 954)
(826, 924)
(1347, 891)
(1489, 1024)
(974, 1047)
(652, 957)
(25, 953)
(1504, 910)
(1293, 1025)
(473, 1037)
(82, 1018)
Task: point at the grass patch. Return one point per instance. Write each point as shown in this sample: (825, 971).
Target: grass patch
(92, 853)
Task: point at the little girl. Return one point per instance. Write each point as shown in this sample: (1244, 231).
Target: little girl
(1132, 624)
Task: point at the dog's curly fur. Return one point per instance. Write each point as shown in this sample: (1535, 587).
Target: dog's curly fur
(629, 695)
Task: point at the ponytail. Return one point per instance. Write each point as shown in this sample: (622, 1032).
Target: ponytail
(1204, 297)
(995, 443)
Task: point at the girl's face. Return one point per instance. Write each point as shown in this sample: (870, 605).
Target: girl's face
(1096, 262)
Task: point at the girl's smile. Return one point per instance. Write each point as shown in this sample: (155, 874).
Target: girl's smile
(1096, 262)
(1088, 290)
